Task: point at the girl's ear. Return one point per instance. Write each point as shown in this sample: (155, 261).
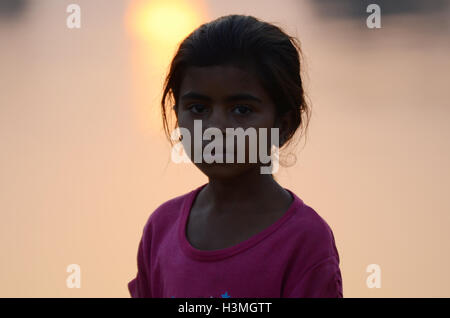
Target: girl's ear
(175, 109)
(284, 124)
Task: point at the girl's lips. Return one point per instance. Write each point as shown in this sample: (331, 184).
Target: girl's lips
(222, 155)
(213, 152)
(218, 154)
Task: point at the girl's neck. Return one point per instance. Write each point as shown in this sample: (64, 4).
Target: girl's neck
(249, 192)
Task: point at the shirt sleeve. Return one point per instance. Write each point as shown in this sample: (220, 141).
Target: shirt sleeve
(323, 280)
(139, 287)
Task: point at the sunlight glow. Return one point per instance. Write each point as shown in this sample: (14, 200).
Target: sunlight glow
(155, 28)
(163, 22)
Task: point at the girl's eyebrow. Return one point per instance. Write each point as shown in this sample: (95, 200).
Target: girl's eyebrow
(231, 98)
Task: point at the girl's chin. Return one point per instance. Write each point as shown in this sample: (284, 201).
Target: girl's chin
(214, 159)
(222, 170)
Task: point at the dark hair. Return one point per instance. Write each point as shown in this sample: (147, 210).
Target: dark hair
(250, 43)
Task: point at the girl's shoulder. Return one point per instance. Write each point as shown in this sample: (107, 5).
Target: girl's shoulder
(311, 229)
(167, 212)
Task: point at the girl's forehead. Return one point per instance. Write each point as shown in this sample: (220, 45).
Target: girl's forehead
(219, 78)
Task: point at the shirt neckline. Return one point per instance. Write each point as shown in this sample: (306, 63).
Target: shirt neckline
(211, 255)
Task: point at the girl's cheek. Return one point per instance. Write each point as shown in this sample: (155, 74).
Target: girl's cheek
(181, 116)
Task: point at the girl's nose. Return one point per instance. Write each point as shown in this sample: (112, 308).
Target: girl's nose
(218, 119)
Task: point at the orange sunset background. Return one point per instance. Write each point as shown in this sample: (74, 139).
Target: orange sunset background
(84, 160)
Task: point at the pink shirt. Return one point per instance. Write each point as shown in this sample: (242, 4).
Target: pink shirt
(294, 257)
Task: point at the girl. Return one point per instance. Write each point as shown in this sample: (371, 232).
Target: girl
(241, 234)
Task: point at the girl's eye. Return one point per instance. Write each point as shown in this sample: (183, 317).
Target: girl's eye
(242, 110)
(197, 108)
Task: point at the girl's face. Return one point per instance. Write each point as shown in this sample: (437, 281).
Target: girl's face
(224, 96)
